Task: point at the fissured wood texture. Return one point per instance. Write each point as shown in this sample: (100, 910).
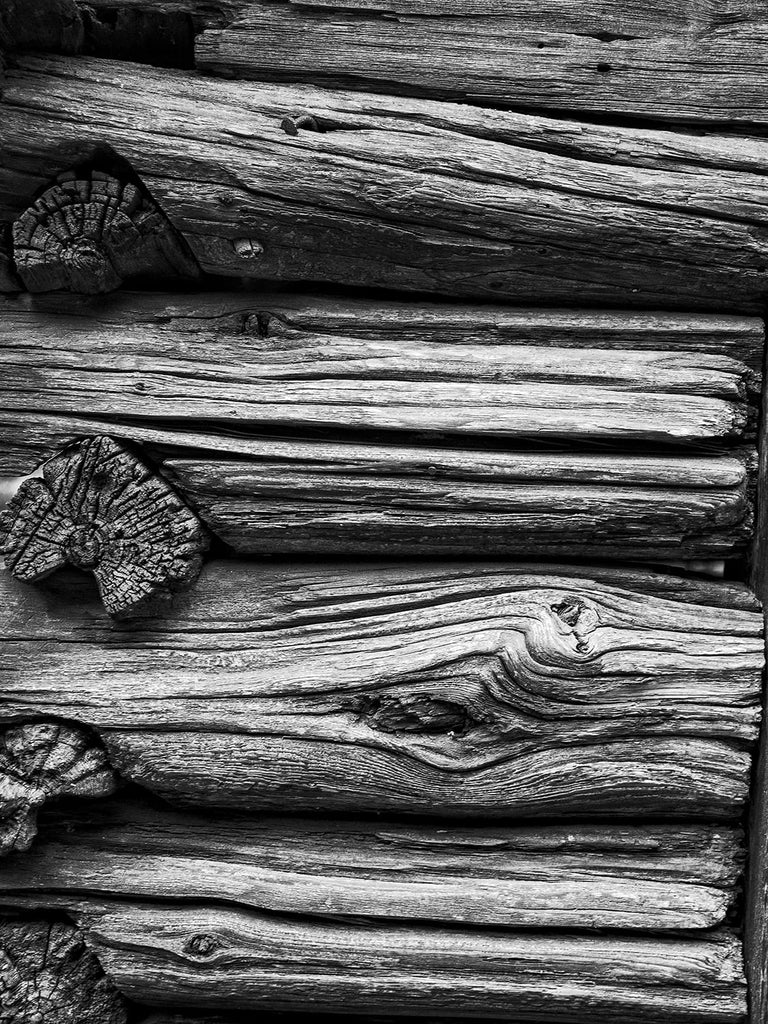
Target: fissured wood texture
(296, 424)
(404, 193)
(474, 690)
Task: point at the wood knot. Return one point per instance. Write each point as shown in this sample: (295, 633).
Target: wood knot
(87, 233)
(569, 610)
(580, 617)
(39, 762)
(415, 713)
(100, 509)
(203, 944)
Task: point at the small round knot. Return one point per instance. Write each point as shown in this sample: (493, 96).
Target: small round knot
(84, 546)
(203, 944)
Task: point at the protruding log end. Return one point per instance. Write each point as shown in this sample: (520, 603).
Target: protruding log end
(99, 508)
(41, 761)
(48, 974)
(88, 233)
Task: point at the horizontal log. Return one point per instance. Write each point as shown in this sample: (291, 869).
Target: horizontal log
(646, 878)
(698, 62)
(376, 499)
(214, 372)
(451, 689)
(217, 958)
(268, 378)
(403, 193)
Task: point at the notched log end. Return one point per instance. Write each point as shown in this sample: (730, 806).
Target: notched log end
(42, 761)
(100, 509)
(47, 973)
(88, 232)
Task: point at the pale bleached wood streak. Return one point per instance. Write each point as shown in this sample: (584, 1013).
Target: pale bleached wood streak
(404, 193)
(574, 876)
(473, 690)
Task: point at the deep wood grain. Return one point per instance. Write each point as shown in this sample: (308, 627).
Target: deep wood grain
(215, 373)
(469, 690)
(211, 957)
(377, 499)
(270, 379)
(404, 193)
(47, 975)
(646, 878)
(696, 62)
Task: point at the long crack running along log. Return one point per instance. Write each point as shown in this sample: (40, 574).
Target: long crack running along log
(472, 690)
(405, 193)
(100, 509)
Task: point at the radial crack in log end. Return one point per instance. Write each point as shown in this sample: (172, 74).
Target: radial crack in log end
(100, 509)
(41, 761)
(88, 233)
(48, 974)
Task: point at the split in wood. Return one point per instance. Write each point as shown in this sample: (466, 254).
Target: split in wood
(42, 761)
(98, 508)
(472, 690)
(89, 232)
(49, 976)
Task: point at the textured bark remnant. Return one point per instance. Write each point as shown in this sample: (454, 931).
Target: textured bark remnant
(41, 761)
(100, 509)
(87, 233)
(48, 975)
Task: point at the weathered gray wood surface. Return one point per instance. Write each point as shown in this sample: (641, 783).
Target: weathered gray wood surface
(99, 508)
(198, 375)
(696, 62)
(49, 976)
(404, 193)
(376, 499)
(228, 958)
(465, 689)
(42, 761)
(574, 876)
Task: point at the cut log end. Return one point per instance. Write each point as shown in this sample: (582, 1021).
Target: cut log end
(100, 509)
(48, 974)
(89, 233)
(39, 762)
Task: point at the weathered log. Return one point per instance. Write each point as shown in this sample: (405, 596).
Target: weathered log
(209, 373)
(98, 508)
(404, 193)
(377, 499)
(41, 761)
(221, 958)
(474, 690)
(49, 976)
(698, 62)
(576, 876)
